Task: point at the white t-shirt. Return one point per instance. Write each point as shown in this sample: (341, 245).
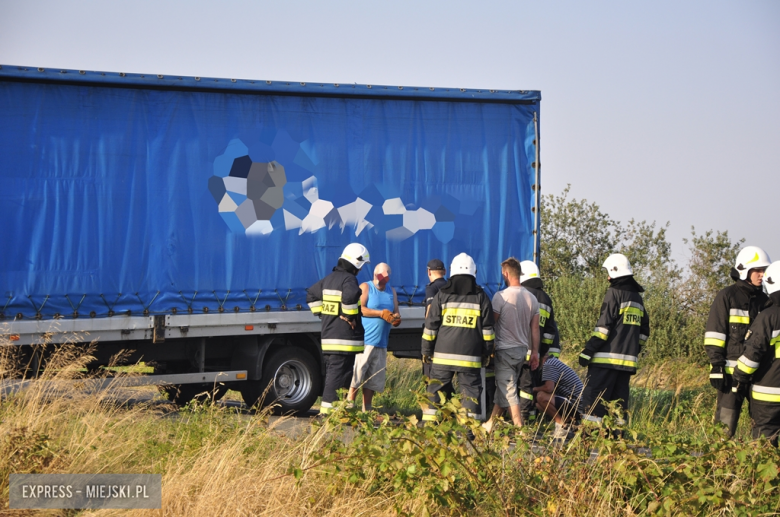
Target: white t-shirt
(516, 307)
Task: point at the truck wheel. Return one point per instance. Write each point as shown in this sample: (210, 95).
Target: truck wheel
(181, 394)
(292, 378)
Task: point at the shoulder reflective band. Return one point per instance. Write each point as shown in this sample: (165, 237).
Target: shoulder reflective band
(316, 307)
(342, 345)
(428, 334)
(739, 316)
(467, 361)
(615, 359)
(766, 393)
(746, 365)
(642, 339)
(601, 333)
(429, 415)
(488, 334)
(730, 365)
(714, 339)
(548, 339)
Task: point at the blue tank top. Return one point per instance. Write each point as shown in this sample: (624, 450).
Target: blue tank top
(378, 329)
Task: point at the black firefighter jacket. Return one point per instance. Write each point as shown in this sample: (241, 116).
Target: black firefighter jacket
(458, 330)
(547, 325)
(761, 359)
(734, 309)
(622, 329)
(336, 299)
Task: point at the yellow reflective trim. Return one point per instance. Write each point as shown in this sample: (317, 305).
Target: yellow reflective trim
(454, 362)
(765, 397)
(429, 418)
(488, 337)
(745, 368)
(632, 316)
(317, 309)
(524, 395)
(343, 348)
(331, 298)
(490, 374)
(710, 341)
(349, 312)
(547, 341)
(642, 342)
(554, 354)
(600, 335)
(729, 370)
(745, 320)
(429, 338)
(617, 362)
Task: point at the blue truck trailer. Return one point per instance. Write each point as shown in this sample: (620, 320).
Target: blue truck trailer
(181, 219)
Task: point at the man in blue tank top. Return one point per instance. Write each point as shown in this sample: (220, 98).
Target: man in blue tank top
(379, 308)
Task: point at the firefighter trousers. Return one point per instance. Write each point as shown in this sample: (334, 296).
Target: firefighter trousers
(338, 374)
(469, 382)
(604, 385)
(729, 406)
(766, 420)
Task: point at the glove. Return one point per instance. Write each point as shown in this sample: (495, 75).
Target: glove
(585, 356)
(396, 322)
(387, 316)
(740, 388)
(426, 359)
(717, 378)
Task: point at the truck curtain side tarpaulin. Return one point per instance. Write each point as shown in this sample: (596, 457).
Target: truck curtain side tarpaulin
(116, 199)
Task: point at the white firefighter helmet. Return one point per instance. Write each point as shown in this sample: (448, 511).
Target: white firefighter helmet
(356, 254)
(463, 265)
(528, 270)
(617, 265)
(751, 257)
(772, 277)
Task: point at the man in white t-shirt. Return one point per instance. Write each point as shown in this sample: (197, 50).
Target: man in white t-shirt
(516, 315)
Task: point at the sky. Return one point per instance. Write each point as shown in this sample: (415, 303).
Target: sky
(658, 111)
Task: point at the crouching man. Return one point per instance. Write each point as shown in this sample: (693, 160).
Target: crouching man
(559, 394)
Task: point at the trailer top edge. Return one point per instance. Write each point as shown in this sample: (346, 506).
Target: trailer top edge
(177, 82)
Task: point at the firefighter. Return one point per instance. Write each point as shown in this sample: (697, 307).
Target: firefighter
(761, 363)
(734, 309)
(529, 379)
(458, 336)
(336, 300)
(611, 353)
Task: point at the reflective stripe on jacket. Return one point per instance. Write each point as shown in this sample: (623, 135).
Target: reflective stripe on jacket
(548, 328)
(621, 331)
(336, 299)
(733, 310)
(459, 330)
(761, 361)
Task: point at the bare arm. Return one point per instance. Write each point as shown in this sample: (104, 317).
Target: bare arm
(365, 311)
(535, 342)
(547, 387)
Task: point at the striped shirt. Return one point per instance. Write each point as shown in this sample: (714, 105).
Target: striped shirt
(567, 383)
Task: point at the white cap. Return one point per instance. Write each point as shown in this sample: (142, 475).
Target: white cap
(751, 257)
(463, 265)
(617, 265)
(772, 277)
(356, 254)
(528, 270)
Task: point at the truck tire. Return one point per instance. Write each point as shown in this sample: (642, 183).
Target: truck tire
(181, 394)
(292, 379)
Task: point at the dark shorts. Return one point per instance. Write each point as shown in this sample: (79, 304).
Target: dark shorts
(567, 409)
